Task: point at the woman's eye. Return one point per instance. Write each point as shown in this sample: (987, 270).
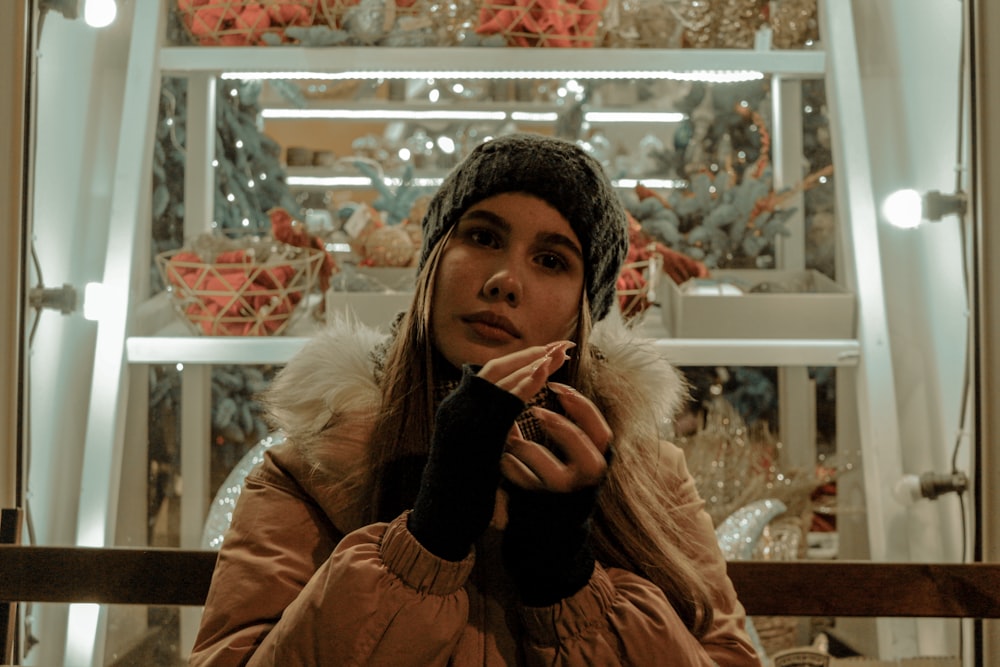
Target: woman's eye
(552, 261)
(483, 237)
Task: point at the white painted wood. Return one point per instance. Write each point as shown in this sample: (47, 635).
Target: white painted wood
(788, 159)
(101, 471)
(876, 395)
(623, 63)
(196, 386)
(196, 431)
(681, 351)
(199, 152)
(796, 394)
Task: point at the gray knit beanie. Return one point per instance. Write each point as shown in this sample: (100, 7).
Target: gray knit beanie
(557, 171)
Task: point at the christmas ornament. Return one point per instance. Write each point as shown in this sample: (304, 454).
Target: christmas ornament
(388, 246)
(793, 23)
(737, 23)
(554, 23)
(698, 18)
(220, 512)
(739, 533)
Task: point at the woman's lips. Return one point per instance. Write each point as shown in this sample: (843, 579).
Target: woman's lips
(491, 326)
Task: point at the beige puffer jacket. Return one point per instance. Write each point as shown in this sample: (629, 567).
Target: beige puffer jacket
(301, 581)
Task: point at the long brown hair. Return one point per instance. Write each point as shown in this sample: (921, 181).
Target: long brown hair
(634, 527)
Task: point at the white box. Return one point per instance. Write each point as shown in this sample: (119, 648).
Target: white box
(711, 308)
(376, 309)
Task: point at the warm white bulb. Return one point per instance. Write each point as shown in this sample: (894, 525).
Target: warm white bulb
(903, 209)
(907, 490)
(96, 302)
(99, 13)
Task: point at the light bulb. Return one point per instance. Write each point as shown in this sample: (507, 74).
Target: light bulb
(907, 490)
(903, 209)
(99, 13)
(911, 488)
(96, 302)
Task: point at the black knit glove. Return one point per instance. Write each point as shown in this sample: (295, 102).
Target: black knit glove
(458, 487)
(546, 544)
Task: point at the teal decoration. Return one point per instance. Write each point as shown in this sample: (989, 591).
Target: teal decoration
(739, 533)
(220, 513)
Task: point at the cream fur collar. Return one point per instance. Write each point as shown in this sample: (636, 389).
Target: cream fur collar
(331, 382)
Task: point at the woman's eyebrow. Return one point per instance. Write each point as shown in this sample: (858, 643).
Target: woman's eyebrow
(562, 241)
(487, 216)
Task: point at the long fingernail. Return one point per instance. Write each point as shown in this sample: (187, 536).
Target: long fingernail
(562, 389)
(535, 367)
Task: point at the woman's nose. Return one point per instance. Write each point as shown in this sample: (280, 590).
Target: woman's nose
(503, 285)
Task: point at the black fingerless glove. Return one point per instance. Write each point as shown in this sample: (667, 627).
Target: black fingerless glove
(458, 487)
(546, 544)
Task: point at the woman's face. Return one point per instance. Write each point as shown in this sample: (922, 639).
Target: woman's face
(510, 277)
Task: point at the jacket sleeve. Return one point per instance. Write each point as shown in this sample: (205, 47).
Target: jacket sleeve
(295, 595)
(727, 640)
(620, 618)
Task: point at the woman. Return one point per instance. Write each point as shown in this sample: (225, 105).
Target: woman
(487, 484)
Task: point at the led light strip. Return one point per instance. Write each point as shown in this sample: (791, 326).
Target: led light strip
(633, 117)
(363, 181)
(707, 76)
(606, 117)
(382, 114)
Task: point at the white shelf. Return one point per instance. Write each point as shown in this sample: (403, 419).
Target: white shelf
(615, 63)
(172, 343)
(680, 351)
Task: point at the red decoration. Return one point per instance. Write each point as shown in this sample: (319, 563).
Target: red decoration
(555, 23)
(245, 22)
(288, 230)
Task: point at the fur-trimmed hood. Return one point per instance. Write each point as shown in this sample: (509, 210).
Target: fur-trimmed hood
(325, 398)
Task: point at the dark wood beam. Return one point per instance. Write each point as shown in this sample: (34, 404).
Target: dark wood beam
(171, 577)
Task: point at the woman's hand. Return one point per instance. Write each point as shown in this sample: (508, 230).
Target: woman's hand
(583, 438)
(524, 373)
(546, 545)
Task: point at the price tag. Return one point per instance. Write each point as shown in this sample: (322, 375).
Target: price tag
(359, 219)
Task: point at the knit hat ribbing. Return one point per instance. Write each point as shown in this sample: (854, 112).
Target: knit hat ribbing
(557, 171)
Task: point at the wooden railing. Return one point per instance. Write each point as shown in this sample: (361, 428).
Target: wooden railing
(171, 577)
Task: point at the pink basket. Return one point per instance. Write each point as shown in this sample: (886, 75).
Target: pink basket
(237, 295)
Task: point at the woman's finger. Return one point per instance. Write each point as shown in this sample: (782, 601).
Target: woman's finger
(519, 474)
(584, 461)
(525, 372)
(497, 369)
(585, 414)
(536, 468)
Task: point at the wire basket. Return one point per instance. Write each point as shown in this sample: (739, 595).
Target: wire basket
(636, 287)
(551, 23)
(257, 291)
(245, 22)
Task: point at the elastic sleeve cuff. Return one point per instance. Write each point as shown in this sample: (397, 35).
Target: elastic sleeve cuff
(417, 567)
(580, 614)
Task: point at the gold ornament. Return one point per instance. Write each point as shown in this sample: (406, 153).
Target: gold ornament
(698, 18)
(389, 246)
(737, 23)
(793, 23)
